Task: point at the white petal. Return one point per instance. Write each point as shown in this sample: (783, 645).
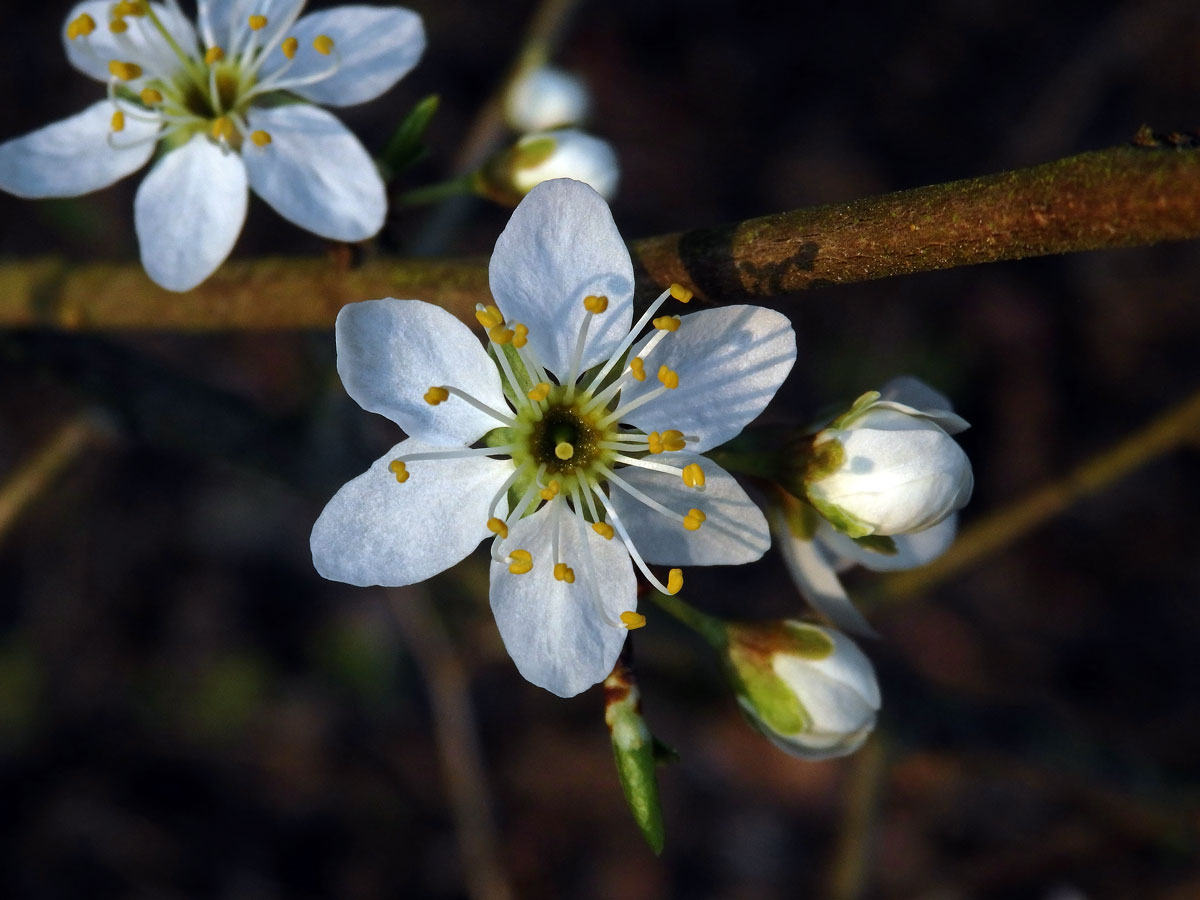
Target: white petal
(912, 395)
(734, 530)
(374, 47)
(378, 531)
(576, 155)
(730, 362)
(141, 42)
(390, 352)
(315, 173)
(913, 550)
(846, 665)
(815, 576)
(563, 637)
(546, 97)
(74, 156)
(561, 245)
(188, 212)
(222, 22)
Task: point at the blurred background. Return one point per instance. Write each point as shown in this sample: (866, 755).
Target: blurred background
(188, 710)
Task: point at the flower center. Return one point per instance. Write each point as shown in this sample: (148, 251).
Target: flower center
(566, 441)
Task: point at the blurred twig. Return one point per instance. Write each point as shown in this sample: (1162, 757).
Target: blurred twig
(1120, 197)
(1173, 429)
(457, 743)
(850, 861)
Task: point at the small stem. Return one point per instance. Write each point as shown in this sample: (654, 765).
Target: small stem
(708, 627)
(435, 193)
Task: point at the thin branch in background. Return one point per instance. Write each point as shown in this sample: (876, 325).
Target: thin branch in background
(850, 860)
(1175, 428)
(457, 743)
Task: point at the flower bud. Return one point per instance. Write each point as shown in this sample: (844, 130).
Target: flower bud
(809, 689)
(546, 97)
(887, 468)
(566, 153)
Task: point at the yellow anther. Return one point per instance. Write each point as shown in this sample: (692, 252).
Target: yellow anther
(666, 323)
(680, 293)
(118, 121)
(323, 44)
(668, 377)
(80, 26)
(563, 572)
(150, 96)
(693, 475)
(213, 55)
(673, 441)
(289, 47)
(126, 71)
(637, 368)
(488, 316)
(257, 23)
(397, 468)
(497, 526)
(520, 335)
(674, 581)
(654, 442)
(550, 491)
(540, 392)
(632, 620)
(521, 562)
(595, 304)
(694, 519)
(118, 26)
(436, 395)
(563, 450)
(260, 138)
(221, 127)
(603, 529)
(501, 335)
(128, 8)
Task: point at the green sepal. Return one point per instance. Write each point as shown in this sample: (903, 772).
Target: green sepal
(635, 770)
(856, 409)
(877, 543)
(840, 519)
(406, 146)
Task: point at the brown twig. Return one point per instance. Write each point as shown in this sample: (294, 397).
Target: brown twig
(1120, 197)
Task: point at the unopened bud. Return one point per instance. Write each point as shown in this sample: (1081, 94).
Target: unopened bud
(566, 153)
(546, 97)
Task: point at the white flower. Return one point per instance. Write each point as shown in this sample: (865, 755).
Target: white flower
(890, 467)
(227, 107)
(595, 444)
(544, 156)
(807, 688)
(545, 97)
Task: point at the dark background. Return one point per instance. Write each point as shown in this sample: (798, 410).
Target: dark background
(188, 710)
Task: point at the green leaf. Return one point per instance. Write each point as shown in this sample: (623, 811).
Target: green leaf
(407, 143)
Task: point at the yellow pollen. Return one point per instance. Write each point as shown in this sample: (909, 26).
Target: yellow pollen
(221, 128)
(436, 395)
(563, 450)
(694, 519)
(563, 572)
(632, 620)
(118, 121)
(257, 23)
(595, 304)
(520, 335)
(289, 47)
(488, 316)
(673, 441)
(693, 475)
(126, 71)
(150, 96)
(674, 581)
(668, 377)
(129, 8)
(522, 562)
(550, 491)
(81, 26)
(654, 442)
(118, 26)
(667, 323)
(323, 44)
(501, 335)
(637, 368)
(540, 392)
(213, 55)
(680, 293)
(603, 529)
(497, 526)
(397, 468)
(260, 138)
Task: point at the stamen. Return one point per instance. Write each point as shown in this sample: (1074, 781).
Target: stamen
(633, 553)
(81, 26)
(520, 335)
(694, 519)
(693, 476)
(323, 44)
(564, 450)
(488, 316)
(497, 526)
(667, 323)
(595, 304)
(679, 292)
(478, 404)
(550, 491)
(213, 55)
(632, 620)
(125, 71)
(668, 377)
(222, 128)
(674, 581)
(397, 468)
(436, 395)
(260, 138)
(289, 47)
(647, 464)
(563, 572)
(540, 392)
(639, 495)
(521, 562)
(257, 23)
(118, 121)
(118, 26)
(500, 334)
(637, 368)
(671, 441)
(603, 529)
(628, 340)
(461, 452)
(150, 96)
(500, 494)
